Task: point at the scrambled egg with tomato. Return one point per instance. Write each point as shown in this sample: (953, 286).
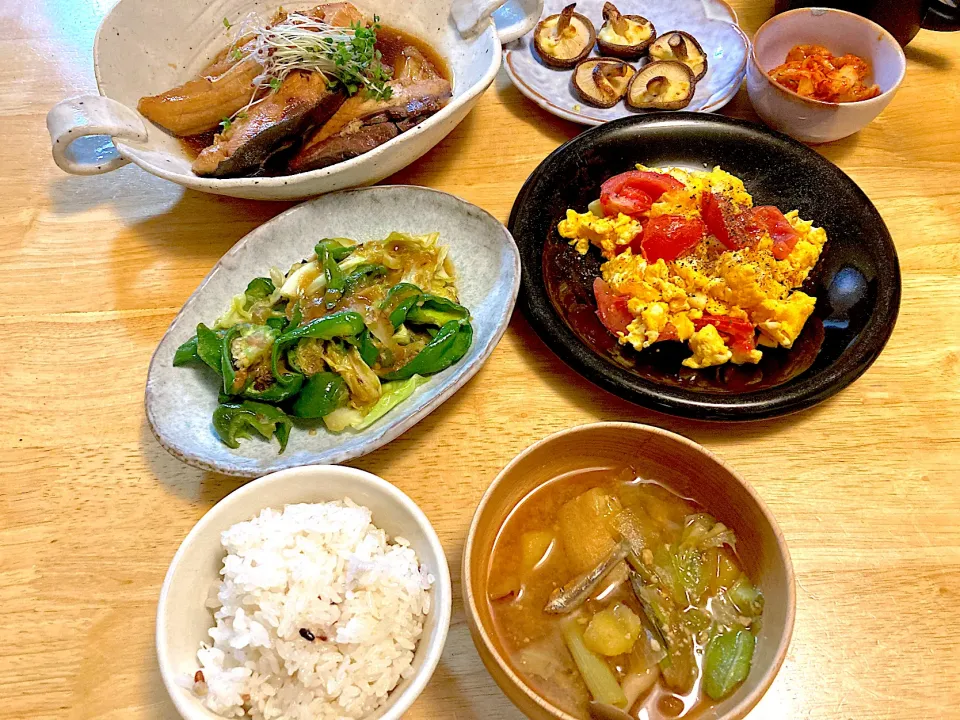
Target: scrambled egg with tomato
(689, 258)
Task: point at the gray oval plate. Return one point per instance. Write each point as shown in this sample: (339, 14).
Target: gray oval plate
(180, 401)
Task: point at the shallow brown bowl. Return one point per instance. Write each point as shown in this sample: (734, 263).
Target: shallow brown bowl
(686, 468)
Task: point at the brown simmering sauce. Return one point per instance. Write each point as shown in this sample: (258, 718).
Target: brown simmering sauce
(390, 42)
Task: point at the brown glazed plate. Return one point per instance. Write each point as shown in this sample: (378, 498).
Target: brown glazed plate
(856, 281)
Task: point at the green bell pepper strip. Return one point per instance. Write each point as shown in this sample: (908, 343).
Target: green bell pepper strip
(186, 354)
(210, 346)
(361, 274)
(447, 347)
(259, 288)
(277, 323)
(234, 421)
(398, 302)
(275, 392)
(342, 324)
(338, 250)
(321, 395)
(345, 324)
(436, 310)
(334, 278)
(227, 370)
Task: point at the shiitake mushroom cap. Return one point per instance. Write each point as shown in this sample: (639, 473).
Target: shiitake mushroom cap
(587, 88)
(661, 71)
(619, 50)
(545, 25)
(663, 49)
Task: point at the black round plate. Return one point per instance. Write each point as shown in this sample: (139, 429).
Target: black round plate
(856, 281)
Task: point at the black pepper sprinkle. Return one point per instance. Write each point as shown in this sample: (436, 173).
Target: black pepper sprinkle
(307, 635)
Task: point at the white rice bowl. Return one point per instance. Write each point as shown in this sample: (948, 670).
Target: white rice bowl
(327, 570)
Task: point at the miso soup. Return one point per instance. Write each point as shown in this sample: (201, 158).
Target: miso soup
(608, 591)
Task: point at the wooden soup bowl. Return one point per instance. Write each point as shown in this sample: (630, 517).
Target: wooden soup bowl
(681, 465)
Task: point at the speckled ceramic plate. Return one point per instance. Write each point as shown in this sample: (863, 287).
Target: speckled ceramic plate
(712, 22)
(180, 401)
(856, 281)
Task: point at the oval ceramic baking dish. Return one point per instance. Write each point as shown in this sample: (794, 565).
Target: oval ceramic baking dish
(144, 47)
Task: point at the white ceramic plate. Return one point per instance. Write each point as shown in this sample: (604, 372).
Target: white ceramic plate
(180, 401)
(183, 619)
(712, 22)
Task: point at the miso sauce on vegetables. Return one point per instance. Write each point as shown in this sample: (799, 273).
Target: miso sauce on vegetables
(344, 336)
(668, 630)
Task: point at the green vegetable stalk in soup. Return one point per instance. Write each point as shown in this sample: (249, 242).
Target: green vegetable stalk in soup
(613, 595)
(342, 337)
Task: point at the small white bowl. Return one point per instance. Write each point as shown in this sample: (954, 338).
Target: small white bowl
(840, 32)
(183, 619)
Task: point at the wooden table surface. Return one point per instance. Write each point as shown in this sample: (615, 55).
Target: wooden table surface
(93, 269)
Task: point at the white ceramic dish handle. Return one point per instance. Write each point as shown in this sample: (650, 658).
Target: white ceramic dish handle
(513, 18)
(87, 115)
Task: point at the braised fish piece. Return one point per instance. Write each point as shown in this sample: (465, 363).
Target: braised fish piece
(302, 100)
(350, 143)
(199, 105)
(341, 14)
(226, 84)
(354, 130)
(572, 595)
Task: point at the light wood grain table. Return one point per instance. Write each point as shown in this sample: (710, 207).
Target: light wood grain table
(92, 270)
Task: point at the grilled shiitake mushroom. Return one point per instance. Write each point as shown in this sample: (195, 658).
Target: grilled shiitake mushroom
(661, 85)
(682, 47)
(624, 36)
(564, 39)
(602, 81)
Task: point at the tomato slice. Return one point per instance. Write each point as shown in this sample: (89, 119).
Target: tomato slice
(737, 328)
(669, 332)
(724, 222)
(612, 307)
(628, 201)
(633, 192)
(741, 347)
(769, 218)
(670, 236)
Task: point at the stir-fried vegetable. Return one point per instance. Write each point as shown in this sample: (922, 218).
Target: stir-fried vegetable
(235, 421)
(346, 335)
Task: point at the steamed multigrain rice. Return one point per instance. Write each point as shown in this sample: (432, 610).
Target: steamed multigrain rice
(327, 570)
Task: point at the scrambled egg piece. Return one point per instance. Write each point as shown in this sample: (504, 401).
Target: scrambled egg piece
(708, 349)
(611, 235)
(669, 298)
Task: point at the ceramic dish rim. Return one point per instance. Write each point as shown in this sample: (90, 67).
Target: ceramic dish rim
(783, 550)
(196, 182)
(583, 119)
(883, 97)
(391, 432)
(771, 402)
(262, 486)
